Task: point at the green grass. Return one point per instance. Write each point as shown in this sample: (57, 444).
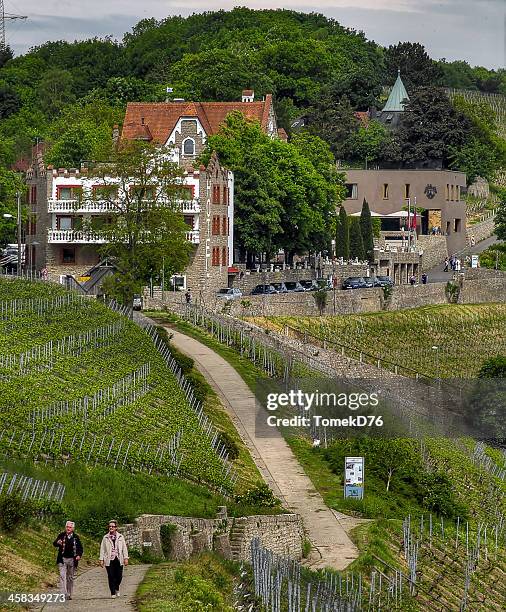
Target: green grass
(466, 335)
(204, 583)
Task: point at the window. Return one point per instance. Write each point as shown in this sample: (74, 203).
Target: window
(188, 219)
(224, 256)
(68, 255)
(447, 192)
(104, 192)
(64, 223)
(457, 225)
(352, 191)
(452, 192)
(69, 192)
(225, 195)
(216, 226)
(216, 194)
(224, 226)
(407, 191)
(458, 193)
(216, 256)
(385, 191)
(33, 194)
(189, 146)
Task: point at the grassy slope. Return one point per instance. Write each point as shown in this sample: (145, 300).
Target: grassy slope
(465, 334)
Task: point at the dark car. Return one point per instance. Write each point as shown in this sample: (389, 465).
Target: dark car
(383, 281)
(354, 282)
(369, 282)
(309, 285)
(292, 286)
(263, 290)
(280, 287)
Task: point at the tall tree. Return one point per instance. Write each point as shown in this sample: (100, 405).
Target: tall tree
(356, 242)
(500, 218)
(366, 230)
(343, 235)
(416, 66)
(145, 230)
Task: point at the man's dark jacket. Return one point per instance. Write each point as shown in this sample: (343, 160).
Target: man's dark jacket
(71, 548)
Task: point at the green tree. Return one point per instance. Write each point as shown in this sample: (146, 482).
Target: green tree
(369, 142)
(11, 183)
(500, 218)
(145, 230)
(343, 235)
(417, 68)
(9, 101)
(55, 91)
(356, 242)
(366, 230)
(6, 55)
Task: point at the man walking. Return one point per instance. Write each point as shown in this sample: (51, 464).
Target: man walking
(70, 551)
(114, 555)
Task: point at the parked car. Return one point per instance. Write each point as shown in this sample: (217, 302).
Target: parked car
(230, 293)
(383, 281)
(369, 282)
(309, 285)
(280, 287)
(354, 282)
(263, 290)
(294, 286)
(137, 302)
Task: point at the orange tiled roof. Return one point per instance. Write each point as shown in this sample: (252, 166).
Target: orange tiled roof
(160, 118)
(363, 117)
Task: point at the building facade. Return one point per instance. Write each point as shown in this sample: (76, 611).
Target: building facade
(438, 194)
(56, 236)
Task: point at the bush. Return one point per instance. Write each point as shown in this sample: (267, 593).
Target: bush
(200, 387)
(259, 495)
(166, 533)
(229, 443)
(14, 512)
(436, 494)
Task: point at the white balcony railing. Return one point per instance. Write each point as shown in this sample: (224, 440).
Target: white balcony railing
(83, 206)
(193, 236)
(55, 236)
(104, 206)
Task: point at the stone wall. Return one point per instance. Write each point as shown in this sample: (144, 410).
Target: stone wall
(283, 534)
(434, 249)
(481, 231)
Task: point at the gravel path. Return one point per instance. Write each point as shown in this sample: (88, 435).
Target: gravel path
(274, 458)
(91, 592)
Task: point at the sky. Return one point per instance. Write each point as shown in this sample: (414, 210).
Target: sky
(472, 30)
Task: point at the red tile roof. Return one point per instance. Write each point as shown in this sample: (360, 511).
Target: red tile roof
(363, 117)
(160, 118)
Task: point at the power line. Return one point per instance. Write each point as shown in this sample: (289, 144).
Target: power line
(3, 18)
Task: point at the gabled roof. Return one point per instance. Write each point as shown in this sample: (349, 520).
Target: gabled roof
(395, 102)
(160, 118)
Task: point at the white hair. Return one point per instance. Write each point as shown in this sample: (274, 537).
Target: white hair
(70, 524)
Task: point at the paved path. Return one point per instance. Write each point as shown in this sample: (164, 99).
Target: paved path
(437, 274)
(91, 591)
(274, 458)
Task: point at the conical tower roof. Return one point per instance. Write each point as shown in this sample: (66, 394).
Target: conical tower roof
(397, 96)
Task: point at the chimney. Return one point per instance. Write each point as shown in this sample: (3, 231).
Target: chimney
(248, 95)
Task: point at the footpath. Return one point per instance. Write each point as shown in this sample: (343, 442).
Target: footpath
(332, 547)
(91, 591)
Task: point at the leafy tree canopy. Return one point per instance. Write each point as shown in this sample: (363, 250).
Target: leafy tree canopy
(416, 66)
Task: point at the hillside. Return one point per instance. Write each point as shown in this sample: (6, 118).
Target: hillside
(465, 336)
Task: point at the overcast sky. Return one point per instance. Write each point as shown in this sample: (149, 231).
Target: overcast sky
(472, 30)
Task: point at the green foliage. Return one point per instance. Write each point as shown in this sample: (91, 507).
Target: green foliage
(321, 298)
(356, 241)
(343, 235)
(366, 230)
(167, 530)
(229, 443)
(495, 367)
(369, 142)
(260, 495)
(14, 511)
(417, 68)
(494, 257)
(500, 219)
(452, 290)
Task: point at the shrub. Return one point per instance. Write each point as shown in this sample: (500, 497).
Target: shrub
(229, 443)
(14, 512)
(436, 494)
(321, 298)
(259, 495)
(452, 292)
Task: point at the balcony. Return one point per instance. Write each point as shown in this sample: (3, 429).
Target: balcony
(55, 236)
(193, 236)
(80, 206)
(189, 206)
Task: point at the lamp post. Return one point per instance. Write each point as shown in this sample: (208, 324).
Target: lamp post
(436, 348)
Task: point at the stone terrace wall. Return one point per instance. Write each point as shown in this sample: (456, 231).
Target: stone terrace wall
(434, 249)
(481, 231)
(282, 534)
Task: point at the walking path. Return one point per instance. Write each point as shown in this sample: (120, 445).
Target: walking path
(437, 274)
(91, 592)
(274, 458)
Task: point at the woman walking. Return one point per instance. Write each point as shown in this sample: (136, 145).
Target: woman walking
(114, 555)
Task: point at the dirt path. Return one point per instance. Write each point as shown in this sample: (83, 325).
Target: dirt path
(274, 458)
(91, 592)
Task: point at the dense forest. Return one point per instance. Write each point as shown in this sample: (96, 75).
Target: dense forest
(69, 95)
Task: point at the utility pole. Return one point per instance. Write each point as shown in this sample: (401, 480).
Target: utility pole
(3, 18)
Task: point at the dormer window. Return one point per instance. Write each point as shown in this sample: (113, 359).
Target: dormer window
(189, 147)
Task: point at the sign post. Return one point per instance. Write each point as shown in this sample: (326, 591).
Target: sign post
(354, 477)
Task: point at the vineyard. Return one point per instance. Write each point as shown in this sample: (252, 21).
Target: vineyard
(447, 341)
(497, 102)
(80, 381)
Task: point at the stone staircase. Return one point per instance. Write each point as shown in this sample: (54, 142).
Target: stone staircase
(237, 536)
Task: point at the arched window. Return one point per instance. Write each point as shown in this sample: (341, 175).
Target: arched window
(189, 147)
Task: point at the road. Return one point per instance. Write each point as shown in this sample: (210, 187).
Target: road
(437, 274)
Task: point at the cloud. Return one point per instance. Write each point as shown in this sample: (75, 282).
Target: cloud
(472, 30)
